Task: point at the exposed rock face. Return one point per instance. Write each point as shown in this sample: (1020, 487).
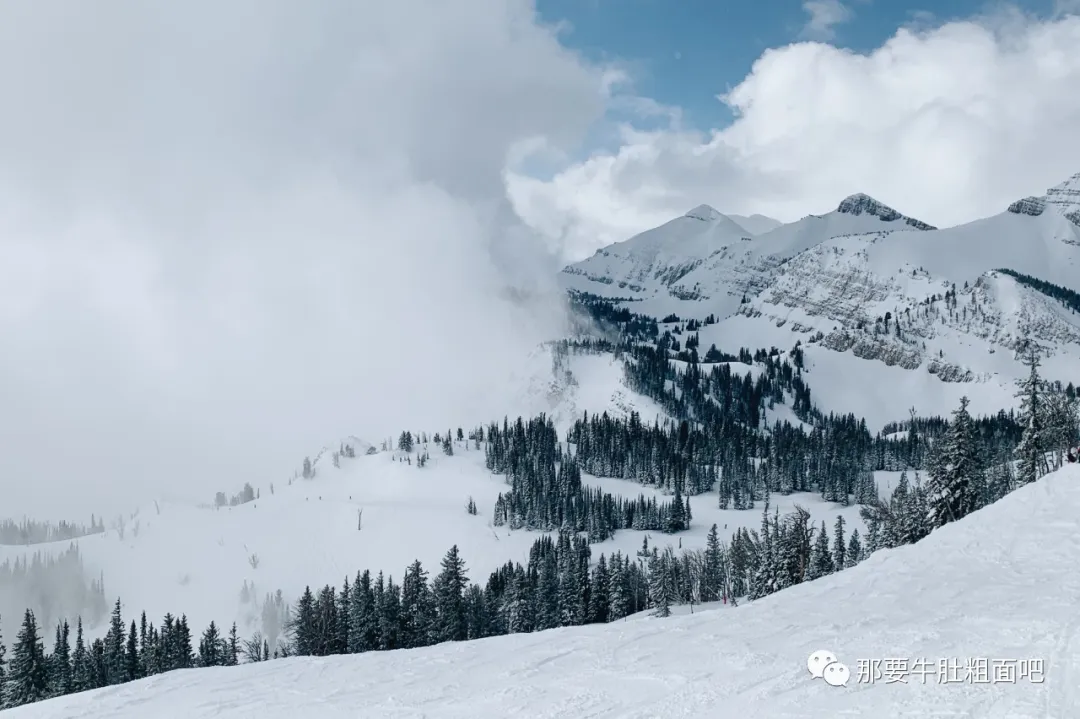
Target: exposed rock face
(1064, 197)
(863, 278)
(905, 320)
(859, 204)
(1033, 206)
(1066, 194)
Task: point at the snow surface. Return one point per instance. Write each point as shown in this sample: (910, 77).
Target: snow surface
(840, 272)
(755, 224)
(598, 386)
(195, 560)
(995, 586)
(185, 559)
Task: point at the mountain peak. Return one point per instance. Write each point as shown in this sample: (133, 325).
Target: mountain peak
(1069, 188)
(1065, 196)
(705, 213)
(860, 203)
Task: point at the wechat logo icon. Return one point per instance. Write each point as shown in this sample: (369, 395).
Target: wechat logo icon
(823, 664)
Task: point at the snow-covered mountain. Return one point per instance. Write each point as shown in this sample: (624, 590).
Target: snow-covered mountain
(976, 620)
(709, 259)
(867, 281)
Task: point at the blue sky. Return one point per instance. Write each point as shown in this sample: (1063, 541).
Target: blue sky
(685, 52)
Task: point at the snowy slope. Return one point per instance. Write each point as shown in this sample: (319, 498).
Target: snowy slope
(1039, 236)
(994, 587)
(834, 279)
(755, 224)
(564, 388)
(197, 560)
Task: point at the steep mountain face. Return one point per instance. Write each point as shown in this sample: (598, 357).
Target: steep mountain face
(658, 258)
(716, 263)
(868, 280)
(1063, 198)
(859, 204)
(833, 294)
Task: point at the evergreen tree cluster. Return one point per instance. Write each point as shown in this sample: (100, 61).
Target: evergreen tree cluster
(592, 311)
(558, 586)
(1049, 418)
(245, 495)
(726, 410)
(785, 551)
(546, 492)
(1064, 295)
(30, 531)
(53, 586)
(997, 435)
(126, 653)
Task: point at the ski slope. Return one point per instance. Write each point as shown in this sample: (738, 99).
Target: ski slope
(996, 586)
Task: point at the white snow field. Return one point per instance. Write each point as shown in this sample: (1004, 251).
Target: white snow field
(196, 560)
(999, 586)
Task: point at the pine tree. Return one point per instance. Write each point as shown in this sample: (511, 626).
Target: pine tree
(598, 594)
(115, 665)
(618, 589)
(416, 607)
(184, 653)
(144, 646)
(839, 547)
(99, 668)
(1032, 448)
(821, 561)
(80, 662)
(341, 641)
(232, 656)
(27, 674)
(712, 571)
(449, 590)
(211, 647)
(131, 654)
(363, 630)
(59, 662)
(3, 674)
(547, 593)
(854, 550)
(659, 585)
(957, 479)
(303, 625)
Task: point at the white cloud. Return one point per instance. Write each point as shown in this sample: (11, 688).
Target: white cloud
(232, 232)
(825, 15)
(947, 124)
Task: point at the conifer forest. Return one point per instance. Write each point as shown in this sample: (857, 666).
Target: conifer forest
(722, 442)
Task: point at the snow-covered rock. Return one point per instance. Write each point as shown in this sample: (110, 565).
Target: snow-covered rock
(859, 203)
(847, 278)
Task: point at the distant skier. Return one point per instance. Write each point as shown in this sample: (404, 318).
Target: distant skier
(1071, 456)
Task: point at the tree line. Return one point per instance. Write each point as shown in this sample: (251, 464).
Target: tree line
(31, 531)
(546, 492)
